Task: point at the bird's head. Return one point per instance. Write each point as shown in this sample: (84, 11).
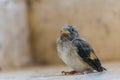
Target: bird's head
(68, 33)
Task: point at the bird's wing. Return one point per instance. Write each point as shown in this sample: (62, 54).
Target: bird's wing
(86, 52)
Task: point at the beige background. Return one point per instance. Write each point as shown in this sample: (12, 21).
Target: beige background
(98, 21)
(29, 29)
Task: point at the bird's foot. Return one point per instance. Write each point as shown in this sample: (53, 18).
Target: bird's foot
(87, 71)
(68, 73)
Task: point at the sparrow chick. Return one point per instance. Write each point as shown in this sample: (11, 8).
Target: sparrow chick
(76, 52)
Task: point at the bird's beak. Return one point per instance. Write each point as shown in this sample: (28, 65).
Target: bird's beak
(65, 31)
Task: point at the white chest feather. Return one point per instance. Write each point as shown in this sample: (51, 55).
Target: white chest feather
(68, 54)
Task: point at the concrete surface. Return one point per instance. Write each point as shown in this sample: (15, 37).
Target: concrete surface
(54, 73)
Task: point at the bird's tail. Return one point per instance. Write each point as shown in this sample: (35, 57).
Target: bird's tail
(100, 69)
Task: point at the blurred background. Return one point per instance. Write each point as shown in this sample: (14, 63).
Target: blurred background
(29, 29)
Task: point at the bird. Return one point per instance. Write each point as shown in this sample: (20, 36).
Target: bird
(76, 52)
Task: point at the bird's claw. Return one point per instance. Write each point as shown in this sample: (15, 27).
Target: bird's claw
(68, 73)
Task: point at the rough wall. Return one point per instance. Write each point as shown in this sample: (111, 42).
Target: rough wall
(98, 22)
(14, 33)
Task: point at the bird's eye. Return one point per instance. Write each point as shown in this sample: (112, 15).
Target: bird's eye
(72, 29)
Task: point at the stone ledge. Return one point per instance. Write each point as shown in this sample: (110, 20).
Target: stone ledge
(53, 73)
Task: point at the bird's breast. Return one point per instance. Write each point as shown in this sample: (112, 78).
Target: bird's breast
(69, 55)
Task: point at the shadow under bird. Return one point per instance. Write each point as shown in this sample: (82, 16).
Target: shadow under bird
(76, 52)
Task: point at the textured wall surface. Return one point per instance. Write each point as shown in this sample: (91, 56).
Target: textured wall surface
(98, 21)
(14, 45)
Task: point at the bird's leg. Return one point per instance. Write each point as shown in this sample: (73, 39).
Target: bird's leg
(87, 71)
(69, 73)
